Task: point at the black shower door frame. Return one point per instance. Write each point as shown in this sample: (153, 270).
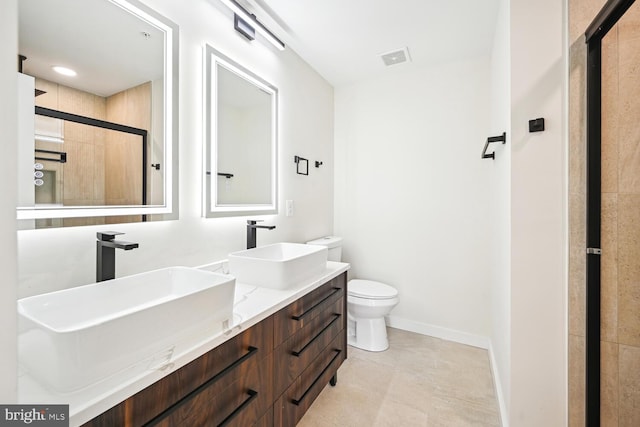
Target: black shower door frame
(606, 19)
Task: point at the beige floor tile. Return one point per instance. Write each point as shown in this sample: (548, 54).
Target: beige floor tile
(418, 381)
(393, 414)
(366, 375)
(449, 412)
(410, 390)
(470, 384)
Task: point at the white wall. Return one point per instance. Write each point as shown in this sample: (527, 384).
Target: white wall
(8, 198)
(413, 195)
(538, 215)
(61, 258)
(500, 350)
(476, 248)
(248, 127)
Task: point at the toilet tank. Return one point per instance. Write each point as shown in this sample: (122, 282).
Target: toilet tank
(333, 243)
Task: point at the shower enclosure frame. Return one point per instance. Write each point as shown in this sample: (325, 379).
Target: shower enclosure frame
(606, 19)
(89, 121)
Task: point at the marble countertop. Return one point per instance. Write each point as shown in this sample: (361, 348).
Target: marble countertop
(252, 304)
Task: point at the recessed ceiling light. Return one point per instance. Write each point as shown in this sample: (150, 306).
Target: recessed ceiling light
(64, 71)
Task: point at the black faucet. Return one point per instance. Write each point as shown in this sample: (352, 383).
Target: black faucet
(251, 232)
(106, 254)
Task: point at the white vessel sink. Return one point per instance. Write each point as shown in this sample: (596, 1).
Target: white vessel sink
(76, 337)
(278, 266)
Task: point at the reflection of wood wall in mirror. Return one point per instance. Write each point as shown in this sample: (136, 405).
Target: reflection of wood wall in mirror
(123, 158)
(93, 175)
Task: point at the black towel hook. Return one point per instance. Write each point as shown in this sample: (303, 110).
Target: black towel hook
(501, 138)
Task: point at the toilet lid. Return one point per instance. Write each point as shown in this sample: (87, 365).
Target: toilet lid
(370, 289)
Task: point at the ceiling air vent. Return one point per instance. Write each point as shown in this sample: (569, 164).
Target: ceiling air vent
(397, 56)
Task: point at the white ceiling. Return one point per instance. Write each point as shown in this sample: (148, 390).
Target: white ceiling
(343, 39)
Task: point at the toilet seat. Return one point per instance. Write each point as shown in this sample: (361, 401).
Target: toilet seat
(370, 289)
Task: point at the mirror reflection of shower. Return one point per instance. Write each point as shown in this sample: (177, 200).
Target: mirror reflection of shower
(105, 61)
(87, 161)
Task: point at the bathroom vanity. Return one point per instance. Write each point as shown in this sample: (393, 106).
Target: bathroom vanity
(267, 375)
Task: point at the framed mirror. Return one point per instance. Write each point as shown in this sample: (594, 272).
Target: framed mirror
(241, 133)
(98, 139)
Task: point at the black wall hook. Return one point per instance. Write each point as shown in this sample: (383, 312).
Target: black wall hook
(318, 164)
(501, 138)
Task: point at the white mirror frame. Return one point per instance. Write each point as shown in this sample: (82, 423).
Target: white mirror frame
(211, 209)
(171, 65)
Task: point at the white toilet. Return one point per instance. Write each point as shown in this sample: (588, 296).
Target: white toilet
(367, 304)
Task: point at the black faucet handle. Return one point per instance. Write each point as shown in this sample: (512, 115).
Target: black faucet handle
(254, 221)
(107, 236)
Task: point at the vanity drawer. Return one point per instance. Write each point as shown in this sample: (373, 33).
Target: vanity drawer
(293, 317)
(219, 368)
(297, 399)
(266, 420)
(243, 403)
(299, 350)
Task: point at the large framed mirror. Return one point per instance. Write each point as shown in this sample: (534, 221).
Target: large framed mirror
(241, 133)
(98, 139)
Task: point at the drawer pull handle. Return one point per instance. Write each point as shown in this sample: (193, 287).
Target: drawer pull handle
(336, 316)
(225, 371)
(252, 395)
(251, 351)
(297, 402)
(333, 291)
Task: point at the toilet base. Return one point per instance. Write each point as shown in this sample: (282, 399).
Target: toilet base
(370, 334)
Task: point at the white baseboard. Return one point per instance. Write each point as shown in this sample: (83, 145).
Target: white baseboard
(504, 416)
(439, 332)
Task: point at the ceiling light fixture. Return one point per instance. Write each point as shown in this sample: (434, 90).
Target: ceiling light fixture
(243, 27)
(64, 71)
(253, 22)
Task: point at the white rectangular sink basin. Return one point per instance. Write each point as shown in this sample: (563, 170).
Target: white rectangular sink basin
(119, 328)
(278, 266)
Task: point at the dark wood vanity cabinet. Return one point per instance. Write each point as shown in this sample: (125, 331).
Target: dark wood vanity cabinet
(233, 379)
(266, 376)
(310, 339)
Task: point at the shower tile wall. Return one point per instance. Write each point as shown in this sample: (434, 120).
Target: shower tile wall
(131, 107)
(621, 227)
(620, 262)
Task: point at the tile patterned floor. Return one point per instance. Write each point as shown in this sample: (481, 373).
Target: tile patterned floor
(419, 381)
